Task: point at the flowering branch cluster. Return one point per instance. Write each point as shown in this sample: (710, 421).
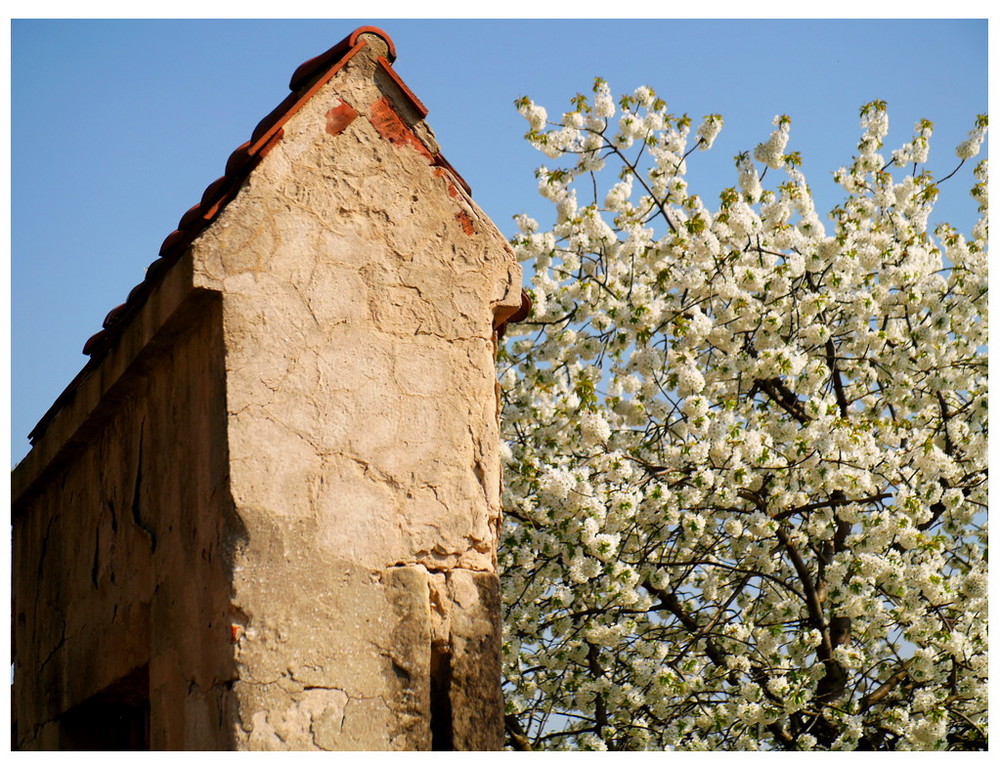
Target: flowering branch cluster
(746, 475)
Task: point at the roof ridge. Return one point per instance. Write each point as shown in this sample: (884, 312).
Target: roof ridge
(308, 69)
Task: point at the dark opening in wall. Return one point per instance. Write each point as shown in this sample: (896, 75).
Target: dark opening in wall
(115, 719)
(440, 712)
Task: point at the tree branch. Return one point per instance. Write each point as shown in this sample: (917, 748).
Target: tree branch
(878, 695)
(838, 384)
(516, 735)
(779, 393)
(715, 654)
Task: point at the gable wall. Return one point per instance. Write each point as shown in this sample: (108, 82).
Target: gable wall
(360, 285)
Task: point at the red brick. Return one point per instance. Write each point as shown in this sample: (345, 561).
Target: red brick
(339, 117)
(466, 221)
(392, 128)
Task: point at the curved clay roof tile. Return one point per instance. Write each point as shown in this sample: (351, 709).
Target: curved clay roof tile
(154, 268)
(213, 191)
(274, 117)
(92, 342)
(138, 291)
(114, 315)
(173, 239)
(239, 158)
(317, 64)
(190, 217)
(524, 311)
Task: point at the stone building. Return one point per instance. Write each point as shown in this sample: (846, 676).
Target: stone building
(265, 513)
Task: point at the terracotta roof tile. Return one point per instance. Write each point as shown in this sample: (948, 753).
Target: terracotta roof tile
(310, 68)
(518, 316)
(114, 315)
(239, 157)
(214, 191)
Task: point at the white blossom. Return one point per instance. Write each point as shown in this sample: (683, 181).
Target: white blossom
(969, 148)
(594, 429)
(709, 130)
(771, 152)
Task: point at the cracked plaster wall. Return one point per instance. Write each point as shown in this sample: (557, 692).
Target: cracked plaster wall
(361, 286)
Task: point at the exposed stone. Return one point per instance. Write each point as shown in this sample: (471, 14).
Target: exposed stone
(475, 660)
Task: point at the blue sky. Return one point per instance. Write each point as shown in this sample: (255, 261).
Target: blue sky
(118, 126)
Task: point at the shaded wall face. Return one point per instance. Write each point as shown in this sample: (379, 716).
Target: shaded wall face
(359, 293)
(122, 614)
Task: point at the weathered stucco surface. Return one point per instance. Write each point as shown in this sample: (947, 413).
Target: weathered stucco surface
(321, 468)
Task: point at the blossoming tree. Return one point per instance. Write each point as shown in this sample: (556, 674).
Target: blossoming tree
(747, 470)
